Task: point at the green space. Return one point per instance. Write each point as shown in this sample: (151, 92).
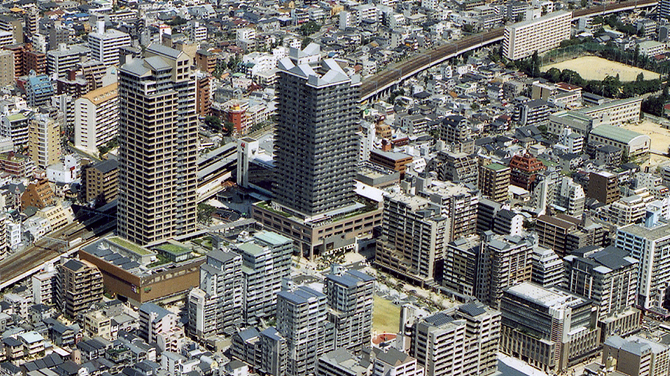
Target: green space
(267, 206)
(129, 245)
(161, 261)
(173, 249)
(385, 316)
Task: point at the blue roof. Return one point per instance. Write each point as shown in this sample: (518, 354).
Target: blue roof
(150, 308)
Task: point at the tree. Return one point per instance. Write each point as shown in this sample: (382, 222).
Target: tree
(309, 28)
(205, 212)
(306, 42)
(213, 122)
(553, 74)
(228, 127)
(584, 3)
(640, 31)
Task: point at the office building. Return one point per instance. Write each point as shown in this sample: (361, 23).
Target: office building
(65, 58)
(78, 285)
(266, 259)
(542, 34)
(637, 356)
(494, 181)
(609, 278)
(350, 299)
(547, 267)
(6, 68)
(649, 244)
(436, 216)
(215, 307)
(546, 327)
(105, 44)
(461, 341)
(604, 187)
(524, 170)
(315, 176)
(96, 118)
(44, 140)
(101, 181)
(158, 174)
(302, 319)
(504, 262)
(38, 90)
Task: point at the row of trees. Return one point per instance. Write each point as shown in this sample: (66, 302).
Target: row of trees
(654, 104)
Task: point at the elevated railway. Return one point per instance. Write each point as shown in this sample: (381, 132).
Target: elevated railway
(382, 83)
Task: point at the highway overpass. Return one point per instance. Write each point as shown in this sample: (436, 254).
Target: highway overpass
(382, 83)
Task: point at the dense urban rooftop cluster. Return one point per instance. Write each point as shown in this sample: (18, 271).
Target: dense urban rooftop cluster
(334, 188)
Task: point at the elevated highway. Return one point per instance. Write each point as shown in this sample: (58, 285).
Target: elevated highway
(382, 83)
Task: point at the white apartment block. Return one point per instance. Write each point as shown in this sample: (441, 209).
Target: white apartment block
(649, 243)
(6, 38)
(96, 119)
(542, 34)
(105, 44)
(246, 33)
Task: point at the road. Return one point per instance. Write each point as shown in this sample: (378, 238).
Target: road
(424, 60)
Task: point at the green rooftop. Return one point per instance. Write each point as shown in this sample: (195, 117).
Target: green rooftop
(272, 238)
(251, 248)
(174, 249)
(616, 133)
(129, 246)
(496, 166)
(16, 117)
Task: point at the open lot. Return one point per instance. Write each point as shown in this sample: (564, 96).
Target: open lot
(596, 68)
(660, 137)
(385, 316)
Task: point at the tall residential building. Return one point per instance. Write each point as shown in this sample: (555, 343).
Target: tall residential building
(547, 267)
(637, 355)
(522, 39)
(155, 320)
(604, 187)
(461, 341)
(390, 361)
(105, 44)
(44, 141)
(265, 351)
(316, 148)
(494, 181)
(266, 259)
(101, 181)
(302, 318)
(158, 146)
(650, 244)
(38, 90)
(216, 306)
(6, 68)
(564, 233)
(609, 278)
(417, 228)
(547, 327)
(504, 262)
(78, 285)
(663, 9)
(525, 169)
(350, 299)
(457, 167)
(96, 118)
(459, 273)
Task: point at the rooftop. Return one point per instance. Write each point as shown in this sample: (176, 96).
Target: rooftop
(129, 245)
(615, 133)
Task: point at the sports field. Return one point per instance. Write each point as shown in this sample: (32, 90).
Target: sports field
(596, 68)
(385, 316)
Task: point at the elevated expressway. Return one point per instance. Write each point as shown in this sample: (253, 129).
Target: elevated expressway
(382, 83)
